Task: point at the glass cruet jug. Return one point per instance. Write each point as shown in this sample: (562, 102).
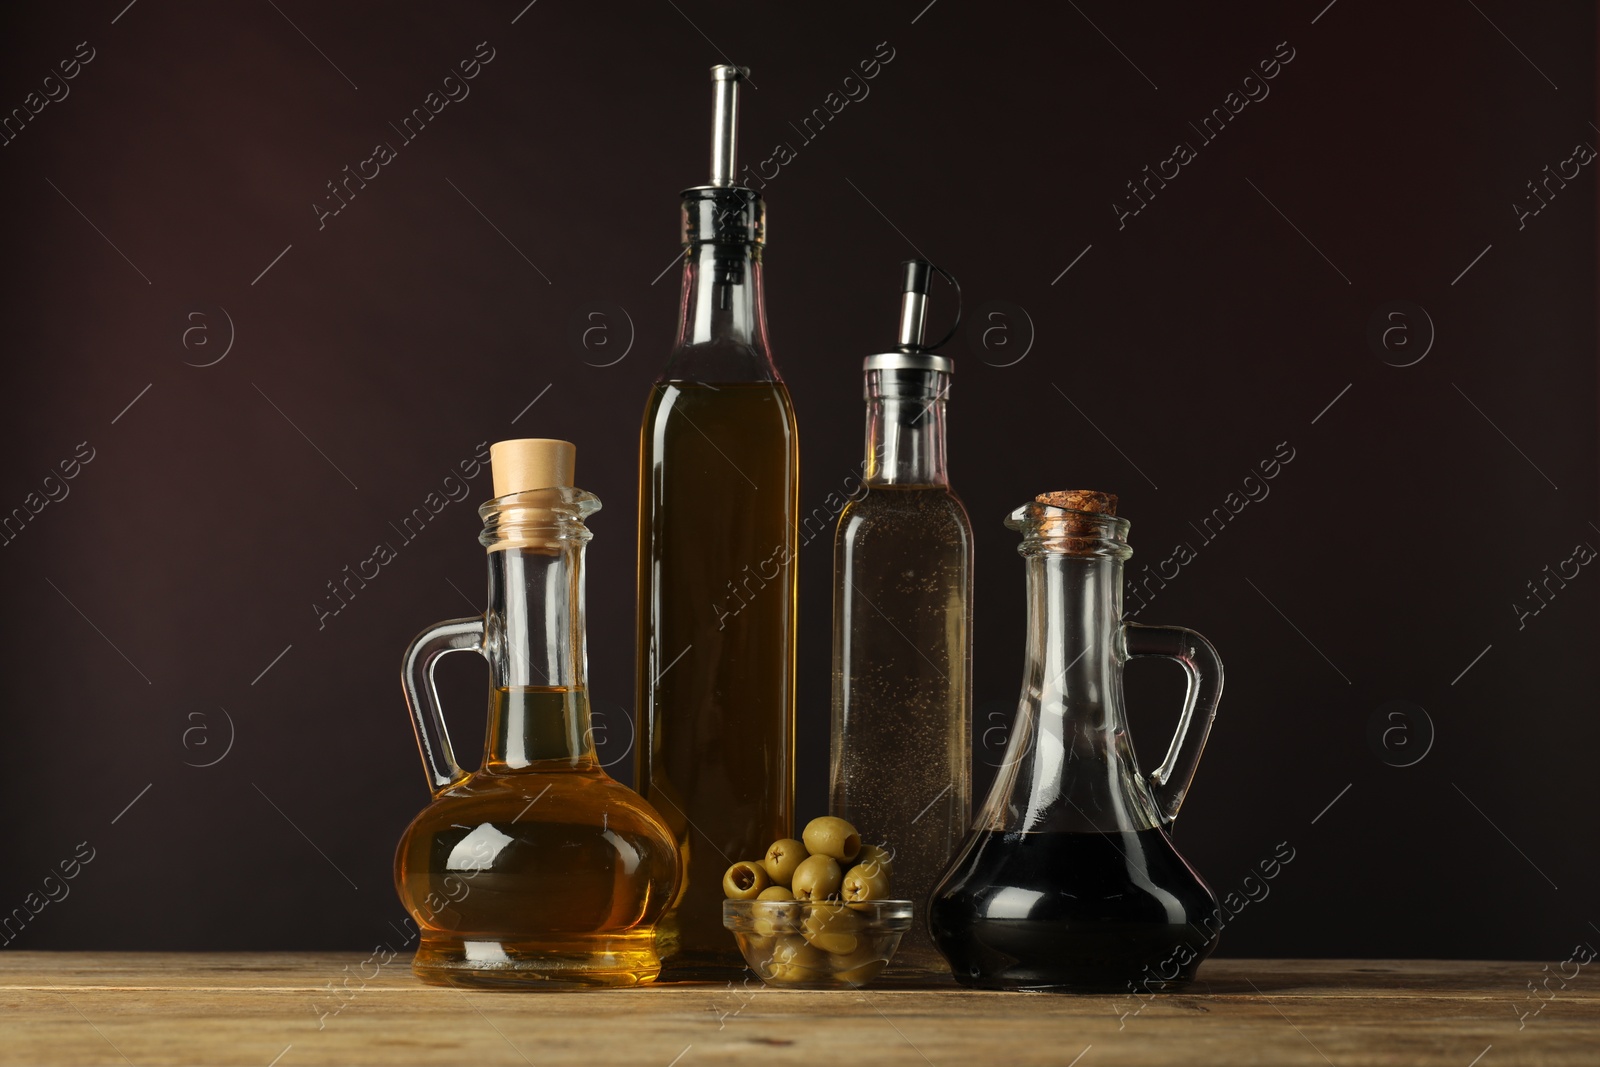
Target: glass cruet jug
(1068, 880)
(537, 870)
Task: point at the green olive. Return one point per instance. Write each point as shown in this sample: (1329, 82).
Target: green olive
(838, 944)
(865, 882)
(817, 878)
(789, 950)
(868, 951)
(782, 858)
(790, 974)
(861, 975)
(744, 880)
(831, 836)
(880, 856)
(832, 927)
(830, 915)
(772, 920)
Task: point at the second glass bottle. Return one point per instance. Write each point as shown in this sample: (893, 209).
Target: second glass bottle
(718, 499)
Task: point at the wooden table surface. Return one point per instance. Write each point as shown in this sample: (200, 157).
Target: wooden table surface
(281, 1009)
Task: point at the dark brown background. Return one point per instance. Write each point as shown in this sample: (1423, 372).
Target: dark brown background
(191, 550)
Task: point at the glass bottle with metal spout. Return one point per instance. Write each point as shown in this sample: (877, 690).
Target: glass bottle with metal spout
(900, 766)
(537, 870)
(718, 498)
(1068, 880)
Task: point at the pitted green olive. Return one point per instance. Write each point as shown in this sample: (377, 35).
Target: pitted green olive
(832, 836)
(817, 878)
(782, 858)
(877, 856)
(789, 974)
(830, 915)
(775, 892)
(744, 880)
(769, 922)
(867, 951)
(838, 944)
(791, 950)
(864, 882)
(832, 927)
(858, 976)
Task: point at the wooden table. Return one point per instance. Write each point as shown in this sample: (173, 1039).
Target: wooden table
(261, 1009)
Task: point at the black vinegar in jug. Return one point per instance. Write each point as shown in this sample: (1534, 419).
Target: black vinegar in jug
(1068, 881)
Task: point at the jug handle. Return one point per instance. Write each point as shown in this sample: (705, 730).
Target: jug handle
(422, 698)
(1171, 780)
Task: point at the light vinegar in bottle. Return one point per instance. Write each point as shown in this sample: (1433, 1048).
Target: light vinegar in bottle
(902, 750)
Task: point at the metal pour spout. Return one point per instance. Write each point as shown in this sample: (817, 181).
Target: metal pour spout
(914, 304)
(725, 80)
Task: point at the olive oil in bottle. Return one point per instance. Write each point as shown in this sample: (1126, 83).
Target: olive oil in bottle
(900, 767)
(718, 498)
(538, 870)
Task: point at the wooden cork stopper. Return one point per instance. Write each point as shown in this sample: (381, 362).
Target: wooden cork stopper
(526, 465)
(1073, 526)
(531, 463)
(1080, 500)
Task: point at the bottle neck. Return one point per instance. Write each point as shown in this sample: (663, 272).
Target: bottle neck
(722, 300)
(538, 658)
(906, 428)
(722, 311)
(1074, 614)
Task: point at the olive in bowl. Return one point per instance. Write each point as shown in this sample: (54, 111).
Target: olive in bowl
(801, 944)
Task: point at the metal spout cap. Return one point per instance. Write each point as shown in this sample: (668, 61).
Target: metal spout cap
(916, 278)
(917, 274)
(725, 79)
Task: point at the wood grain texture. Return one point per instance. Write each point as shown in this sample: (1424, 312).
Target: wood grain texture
(260, 1009)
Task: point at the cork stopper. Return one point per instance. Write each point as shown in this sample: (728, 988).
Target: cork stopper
(1076, 526)
(537, 471)
(1080, 500)
(531, 463)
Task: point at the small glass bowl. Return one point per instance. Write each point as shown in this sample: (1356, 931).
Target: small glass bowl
(823, 945)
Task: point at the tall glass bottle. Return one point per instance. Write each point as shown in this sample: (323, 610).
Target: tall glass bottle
(900, 765)
(718, 499)
(536, 871)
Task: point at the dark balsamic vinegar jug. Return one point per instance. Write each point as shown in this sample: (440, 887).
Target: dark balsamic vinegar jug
(1068, 881)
